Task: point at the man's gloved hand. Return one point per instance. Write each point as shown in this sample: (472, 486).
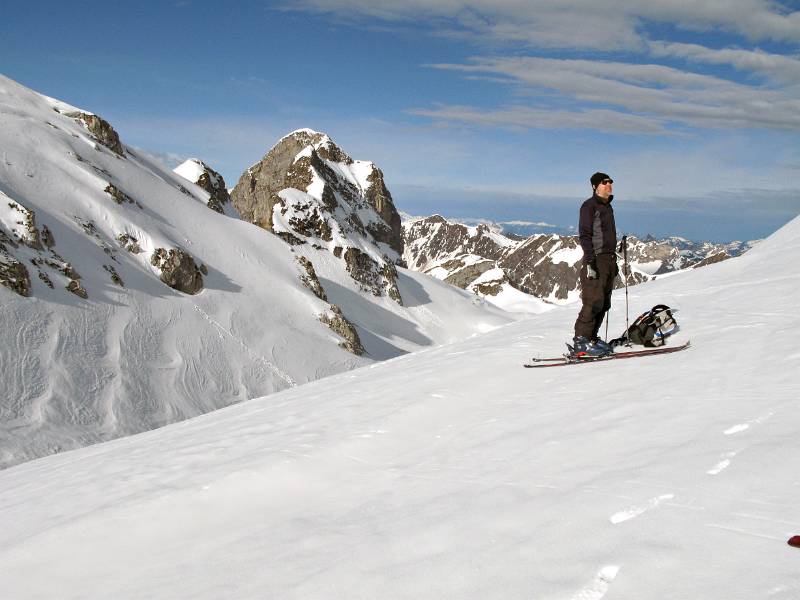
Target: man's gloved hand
(591, 269)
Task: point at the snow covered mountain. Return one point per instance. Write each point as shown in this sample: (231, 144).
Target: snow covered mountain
(454, 473)
(497, 267)
(127, 304)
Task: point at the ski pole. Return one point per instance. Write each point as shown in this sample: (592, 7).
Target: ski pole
(626, 270)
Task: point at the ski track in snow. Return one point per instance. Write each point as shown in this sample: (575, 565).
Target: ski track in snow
(736, 429)
(598, 586)
(635, 511)
(744, 426)
(255, 356)
(722, 465)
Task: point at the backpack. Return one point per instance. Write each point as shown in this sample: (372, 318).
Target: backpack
(652, 327)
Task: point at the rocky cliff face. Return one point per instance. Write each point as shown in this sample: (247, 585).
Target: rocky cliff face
(207, 179)
(310, 193)
(483, 260)
(101, 130)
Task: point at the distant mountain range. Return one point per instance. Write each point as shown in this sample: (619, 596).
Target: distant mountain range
(488, 261)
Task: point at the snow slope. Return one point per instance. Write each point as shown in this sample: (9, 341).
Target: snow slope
(137, 354)
(455, 473)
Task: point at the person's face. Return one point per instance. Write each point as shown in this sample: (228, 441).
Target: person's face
(605, 188)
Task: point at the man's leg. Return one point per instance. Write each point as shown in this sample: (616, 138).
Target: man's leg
(607, 271)
(592, 297)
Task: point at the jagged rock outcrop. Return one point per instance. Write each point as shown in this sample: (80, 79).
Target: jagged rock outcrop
(21, 223)
(307, 190)
(129, 243)
(310, 279)
(370, 275)
(118, 195)
(101, 130)
(178, 270)
(256, 193)
(201, 174)
(114, 275)
(714, 258)
(380, 199)
(462, 274)
(76, 288)
(21, 239)
(343, 328)
(13, 273)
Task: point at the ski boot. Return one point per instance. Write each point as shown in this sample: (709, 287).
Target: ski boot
(603, 345)
(583, 347)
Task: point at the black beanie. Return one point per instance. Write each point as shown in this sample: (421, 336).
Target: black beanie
(597, 178)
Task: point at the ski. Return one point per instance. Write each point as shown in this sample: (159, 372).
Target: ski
(574, 360)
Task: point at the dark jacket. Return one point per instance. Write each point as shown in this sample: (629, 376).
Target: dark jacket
(597, 230)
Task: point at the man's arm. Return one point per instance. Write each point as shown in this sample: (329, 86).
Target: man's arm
(585, 230)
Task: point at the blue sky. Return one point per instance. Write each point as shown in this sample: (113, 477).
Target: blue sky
(496, 109)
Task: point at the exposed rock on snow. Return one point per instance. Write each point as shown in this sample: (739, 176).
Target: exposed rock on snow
(13, 273)
(114, 275)
(76, 288)
(344, 328)
(20, 222)
(714, 258)
(178, 270)
(30, 243)
(380, 199)
(310, 279)
(462, 274)
(118, 195)
(102, 131)
(371, 276)
(47, 237)
(129, 243)
(208, 179)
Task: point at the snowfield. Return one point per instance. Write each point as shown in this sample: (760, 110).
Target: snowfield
(454, 473)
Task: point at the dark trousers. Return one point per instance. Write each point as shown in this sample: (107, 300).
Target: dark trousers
(596, 296)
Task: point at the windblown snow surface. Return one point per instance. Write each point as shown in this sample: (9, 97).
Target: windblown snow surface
(455, 473)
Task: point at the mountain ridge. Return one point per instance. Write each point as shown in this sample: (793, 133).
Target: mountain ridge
(484, 260)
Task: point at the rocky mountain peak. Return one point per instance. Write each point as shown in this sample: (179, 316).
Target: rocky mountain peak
(307, 190)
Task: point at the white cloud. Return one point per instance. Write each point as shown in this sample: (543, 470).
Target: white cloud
(597, 24)
(780, 68)
(523, 117)
(652, 94)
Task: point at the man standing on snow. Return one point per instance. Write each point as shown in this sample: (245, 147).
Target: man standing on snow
(597, 232)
